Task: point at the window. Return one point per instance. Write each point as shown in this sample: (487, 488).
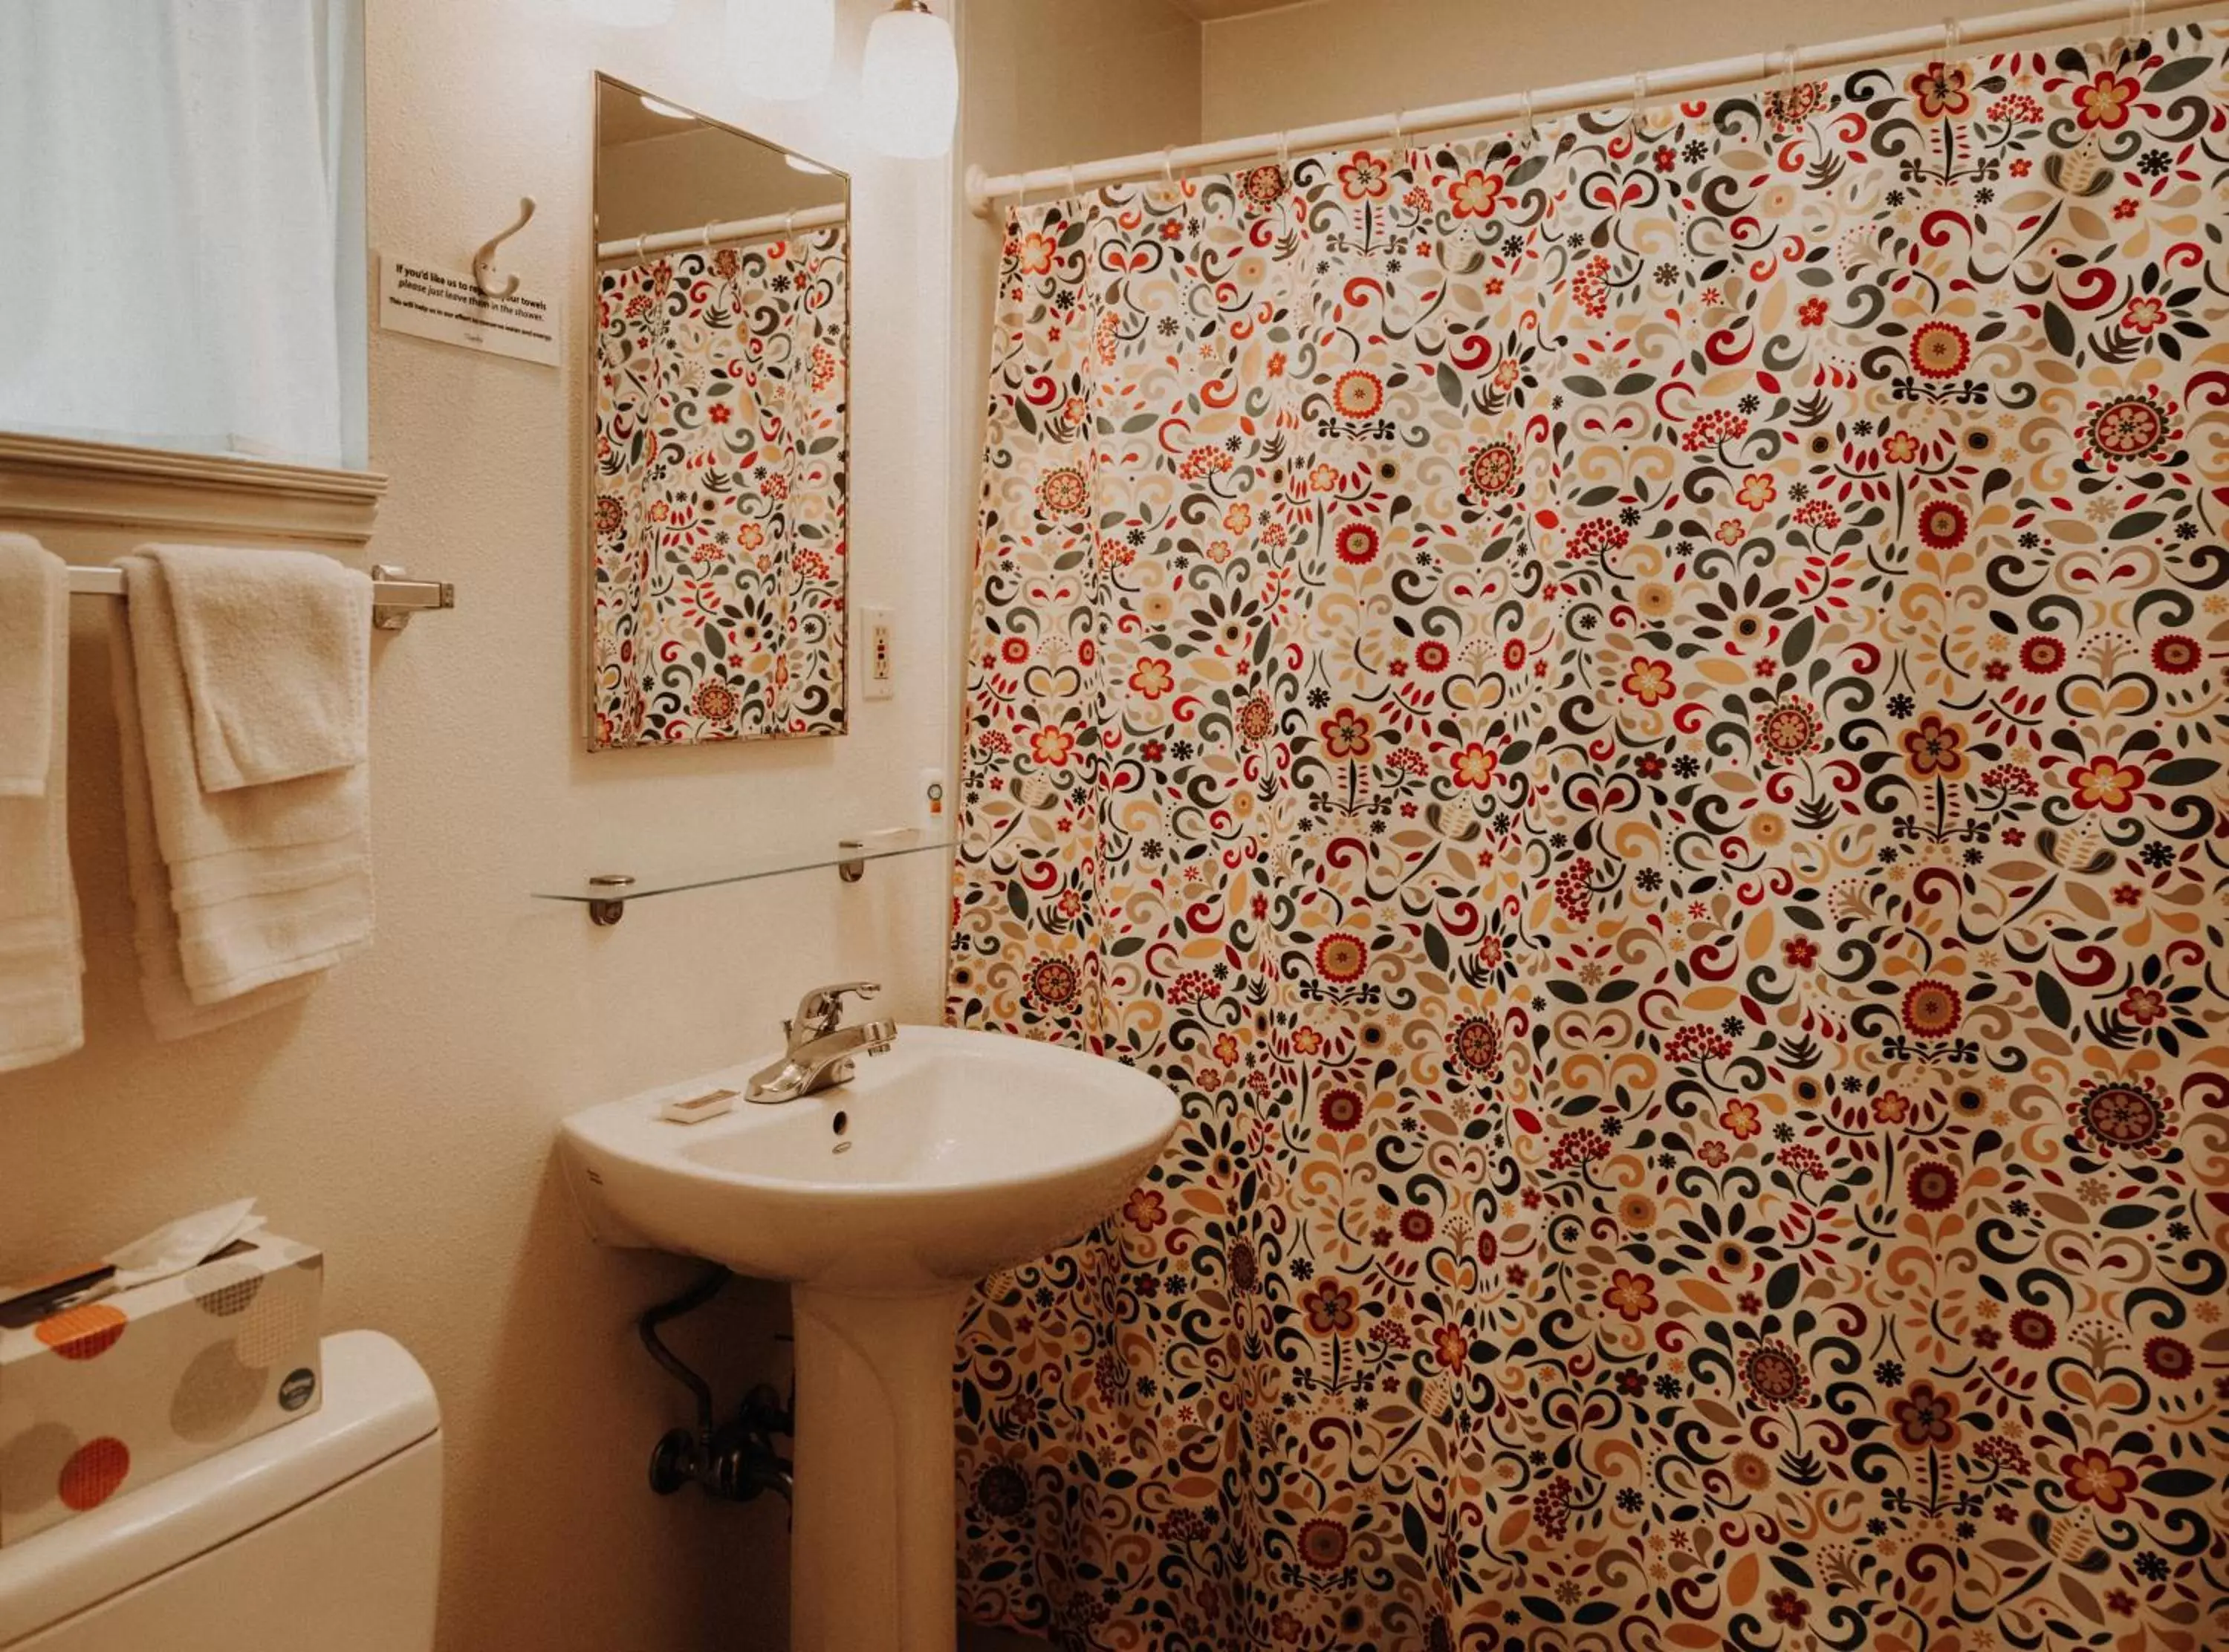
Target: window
(182, 257)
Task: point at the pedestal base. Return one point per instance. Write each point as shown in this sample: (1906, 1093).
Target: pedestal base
(871, 1566)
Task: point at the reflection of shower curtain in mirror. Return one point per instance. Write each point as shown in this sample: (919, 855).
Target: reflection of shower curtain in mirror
(1633, 717)
(720, 493)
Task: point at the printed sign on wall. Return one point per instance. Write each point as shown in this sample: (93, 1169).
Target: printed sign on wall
(448, 305)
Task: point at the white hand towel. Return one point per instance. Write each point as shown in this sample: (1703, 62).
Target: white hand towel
(28, 571)
(170, 1007)
(276, 649)
(268, 882)
(41, 1003)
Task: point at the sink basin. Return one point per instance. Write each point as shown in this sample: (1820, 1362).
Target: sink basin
(955, 1154)
(881, 1201)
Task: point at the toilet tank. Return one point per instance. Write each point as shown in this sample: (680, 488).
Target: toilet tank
(325, 1533)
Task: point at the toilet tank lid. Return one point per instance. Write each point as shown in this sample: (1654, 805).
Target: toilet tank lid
(377, 1402)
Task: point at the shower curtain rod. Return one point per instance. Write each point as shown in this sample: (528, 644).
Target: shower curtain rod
(984, 191)
(735, 229)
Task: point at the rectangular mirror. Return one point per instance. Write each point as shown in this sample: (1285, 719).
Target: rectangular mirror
(182, 226)
(719, 469)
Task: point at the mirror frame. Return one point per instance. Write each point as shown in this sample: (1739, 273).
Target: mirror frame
(585, 547)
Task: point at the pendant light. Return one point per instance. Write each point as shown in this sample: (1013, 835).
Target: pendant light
(780, 49)
(910, 83)
(625, 14)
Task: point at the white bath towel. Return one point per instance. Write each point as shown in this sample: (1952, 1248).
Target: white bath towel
(267, 882)
(171, 1007)
(276, 649)
(41, 1000)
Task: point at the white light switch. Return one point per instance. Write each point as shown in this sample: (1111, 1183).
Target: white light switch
(878, 667)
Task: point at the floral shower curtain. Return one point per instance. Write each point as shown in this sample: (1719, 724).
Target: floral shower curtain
(1632, 716)
(721, 460)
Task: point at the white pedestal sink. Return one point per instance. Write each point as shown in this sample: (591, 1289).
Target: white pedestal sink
(881, 1201)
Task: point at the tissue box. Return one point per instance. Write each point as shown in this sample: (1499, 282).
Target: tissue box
(99, 1399)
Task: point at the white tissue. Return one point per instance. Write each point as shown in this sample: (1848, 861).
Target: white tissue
(176, 1246)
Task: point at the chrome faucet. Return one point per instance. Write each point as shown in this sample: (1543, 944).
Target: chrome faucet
(820, 1047)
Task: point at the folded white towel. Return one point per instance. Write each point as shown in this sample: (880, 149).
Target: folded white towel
(267, 882)
(170, 1007)
(276, 649)
(41, 961)
(28, 571)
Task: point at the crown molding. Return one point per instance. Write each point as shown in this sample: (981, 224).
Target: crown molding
(1217, 12)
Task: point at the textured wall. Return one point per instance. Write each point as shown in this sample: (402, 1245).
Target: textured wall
(402, 1118)
(1337, 59)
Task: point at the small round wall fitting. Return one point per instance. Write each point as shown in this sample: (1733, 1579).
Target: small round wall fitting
(608, 911)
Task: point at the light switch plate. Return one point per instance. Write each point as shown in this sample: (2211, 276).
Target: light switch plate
(878, 666)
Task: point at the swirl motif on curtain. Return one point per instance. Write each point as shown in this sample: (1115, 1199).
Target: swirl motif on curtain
(1633, 717)
(721, 492)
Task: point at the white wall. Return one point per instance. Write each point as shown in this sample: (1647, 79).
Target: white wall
(1050, 81)
(1340, 59)
(402, 1118)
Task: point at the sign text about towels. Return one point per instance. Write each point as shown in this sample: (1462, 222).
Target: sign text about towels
(446, 304)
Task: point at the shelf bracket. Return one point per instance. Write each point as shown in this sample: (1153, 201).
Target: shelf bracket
(608, 912)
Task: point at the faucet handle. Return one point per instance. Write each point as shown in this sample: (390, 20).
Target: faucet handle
(820, 1009)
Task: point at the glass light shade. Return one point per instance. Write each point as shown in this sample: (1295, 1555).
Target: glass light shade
(909, 85)
(625, 14)
(780, 49)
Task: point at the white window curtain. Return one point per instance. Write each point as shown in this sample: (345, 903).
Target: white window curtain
(181, 225)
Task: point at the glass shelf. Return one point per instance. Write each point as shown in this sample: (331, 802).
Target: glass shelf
(607, 894)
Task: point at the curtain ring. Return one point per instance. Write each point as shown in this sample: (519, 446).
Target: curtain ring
(789, 227)
(1525, 103)
(1401, 127)
(707, 234)
(1168, 171)
(2136, 21)
(1285, 154)
(639, 241)
(1788, 74)
(1951, 36)
(1640, 97)
(1073, 189)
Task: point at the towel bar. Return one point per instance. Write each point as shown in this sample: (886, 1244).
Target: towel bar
(394, 598)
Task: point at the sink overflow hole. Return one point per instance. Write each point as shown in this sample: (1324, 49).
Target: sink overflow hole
(841, 1123)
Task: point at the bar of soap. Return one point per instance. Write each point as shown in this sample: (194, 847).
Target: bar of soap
(695, 1110)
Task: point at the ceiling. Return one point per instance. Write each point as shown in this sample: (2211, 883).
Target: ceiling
(1211, 10)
